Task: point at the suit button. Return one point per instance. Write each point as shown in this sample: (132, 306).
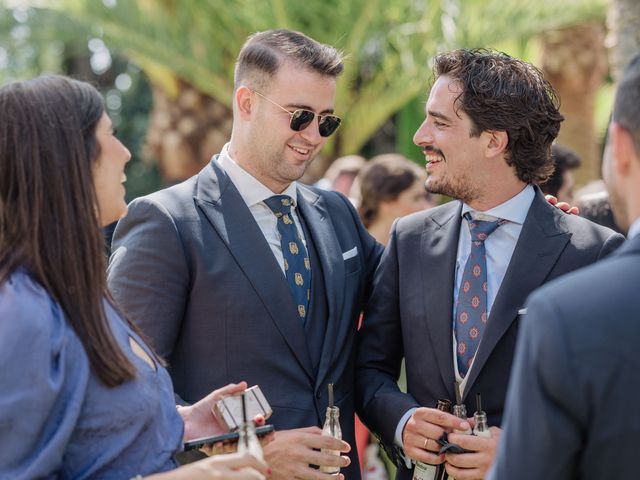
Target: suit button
(318, 395)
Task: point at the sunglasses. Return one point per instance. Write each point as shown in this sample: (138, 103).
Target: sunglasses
(301, 119)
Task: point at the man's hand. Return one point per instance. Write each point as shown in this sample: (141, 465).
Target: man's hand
(292, 452)
(564, 206)
(423, 429)
(198, 418)
(475, 465)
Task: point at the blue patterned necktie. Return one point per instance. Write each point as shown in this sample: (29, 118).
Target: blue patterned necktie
(471, 308)
(297, 266)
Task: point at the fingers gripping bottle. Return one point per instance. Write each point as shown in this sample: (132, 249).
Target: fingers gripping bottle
(331, 428)
(426, 471)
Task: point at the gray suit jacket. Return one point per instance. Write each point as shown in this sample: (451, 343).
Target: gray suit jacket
(192, 268)
(411, 312)
(571, 407)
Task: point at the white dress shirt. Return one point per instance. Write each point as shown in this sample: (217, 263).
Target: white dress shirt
(254, 194)
(634, 229)
(499, 247)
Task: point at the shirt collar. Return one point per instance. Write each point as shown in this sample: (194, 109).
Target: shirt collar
(251, 189)
(634, 229)
(514, 210)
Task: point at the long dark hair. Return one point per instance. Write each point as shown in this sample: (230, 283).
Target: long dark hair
(48, 207)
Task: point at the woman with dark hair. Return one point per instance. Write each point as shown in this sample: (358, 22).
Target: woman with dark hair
(83, 396)
(390, 186)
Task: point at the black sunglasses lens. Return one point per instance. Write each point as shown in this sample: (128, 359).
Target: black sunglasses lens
(300, 119)
(328, 125)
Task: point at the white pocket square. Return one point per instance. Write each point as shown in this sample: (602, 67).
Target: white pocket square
(350, 253)
(522, 311)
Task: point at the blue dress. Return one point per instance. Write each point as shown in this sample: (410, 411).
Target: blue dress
(57, 420)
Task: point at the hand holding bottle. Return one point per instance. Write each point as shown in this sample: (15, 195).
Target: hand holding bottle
(292, 452)
(423, 429)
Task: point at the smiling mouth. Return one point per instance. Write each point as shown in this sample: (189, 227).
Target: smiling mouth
(123, 178)
(432, 159)
(301, 151)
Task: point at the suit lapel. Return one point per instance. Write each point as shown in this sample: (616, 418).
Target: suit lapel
(313, 208)
(227, 212)
(438, 251)
(542, 240)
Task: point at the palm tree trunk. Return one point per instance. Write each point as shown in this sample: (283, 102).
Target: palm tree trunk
(623, 21)
(574, 61)
(185, 131)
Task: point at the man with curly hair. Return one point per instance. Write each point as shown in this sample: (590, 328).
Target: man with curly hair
(453, 279)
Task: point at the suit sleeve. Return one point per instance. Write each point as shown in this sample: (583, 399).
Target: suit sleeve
(148, 273)
(545, 409)
(380, 403)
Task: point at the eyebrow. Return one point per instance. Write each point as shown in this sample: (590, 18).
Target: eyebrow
(307, 107)
(441, 116)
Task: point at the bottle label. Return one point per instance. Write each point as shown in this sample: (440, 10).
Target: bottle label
(424, 471)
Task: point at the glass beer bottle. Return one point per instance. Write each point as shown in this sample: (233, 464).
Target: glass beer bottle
(426, 471)
(332, 428)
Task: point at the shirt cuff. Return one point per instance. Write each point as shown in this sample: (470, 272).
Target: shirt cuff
(398, 437)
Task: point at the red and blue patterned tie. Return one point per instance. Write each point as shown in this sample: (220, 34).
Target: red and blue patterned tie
(471, 308)
(297, 266)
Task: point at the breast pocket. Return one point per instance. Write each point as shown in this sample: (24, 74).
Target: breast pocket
(351, 266)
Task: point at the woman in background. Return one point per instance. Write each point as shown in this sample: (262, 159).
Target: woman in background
(82, 395)
(390, 186)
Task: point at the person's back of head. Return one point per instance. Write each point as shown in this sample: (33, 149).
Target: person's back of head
(341, 174)
(502, 93)
(48, 206)
(560, 183)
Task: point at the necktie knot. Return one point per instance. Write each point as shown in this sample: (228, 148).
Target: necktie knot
(481, 229)
(280, 204)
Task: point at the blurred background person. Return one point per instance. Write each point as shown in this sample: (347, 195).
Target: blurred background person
(561, 183)
(83, 396)
(341, 174)
(593, 202)
(390, 186)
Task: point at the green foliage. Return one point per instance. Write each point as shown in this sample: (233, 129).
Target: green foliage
(389, 43)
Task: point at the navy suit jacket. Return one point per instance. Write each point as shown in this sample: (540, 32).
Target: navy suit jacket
(571, 407)
(191, 267)
(411, 311)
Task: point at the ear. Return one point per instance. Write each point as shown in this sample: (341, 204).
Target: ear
(497, 141)
(622, 148)
(244, 102)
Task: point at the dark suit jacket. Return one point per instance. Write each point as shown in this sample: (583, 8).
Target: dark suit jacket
(192, 268)
(571, 407)
(411, 311)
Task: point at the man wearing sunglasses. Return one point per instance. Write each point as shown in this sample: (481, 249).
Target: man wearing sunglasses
(242, 273)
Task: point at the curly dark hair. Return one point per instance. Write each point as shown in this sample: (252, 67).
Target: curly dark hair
(500, 92)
